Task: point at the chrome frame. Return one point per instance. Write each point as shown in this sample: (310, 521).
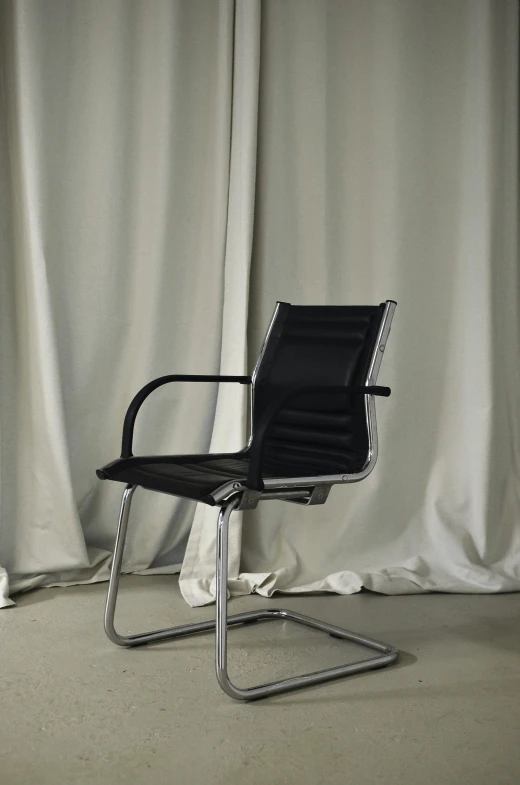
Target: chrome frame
(386, 654)
(235, 496)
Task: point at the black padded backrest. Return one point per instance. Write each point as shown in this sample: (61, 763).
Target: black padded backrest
(319, 433)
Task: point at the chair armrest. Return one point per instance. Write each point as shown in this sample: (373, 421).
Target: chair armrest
(142, 395)
(256, 451)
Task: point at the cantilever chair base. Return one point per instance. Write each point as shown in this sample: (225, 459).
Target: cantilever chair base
(385, 654)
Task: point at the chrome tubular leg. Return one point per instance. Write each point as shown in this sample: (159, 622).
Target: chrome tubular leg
(117, 560)
(221, 602)
(385, 654)
(156, 635)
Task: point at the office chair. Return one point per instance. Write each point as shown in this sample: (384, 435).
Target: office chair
(313, 426)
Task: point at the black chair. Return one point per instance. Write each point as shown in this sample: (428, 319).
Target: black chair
(312, 426)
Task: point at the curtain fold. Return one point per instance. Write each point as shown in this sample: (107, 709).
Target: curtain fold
(169, 171)
(388, 167)
(197, 578)
(119, 266)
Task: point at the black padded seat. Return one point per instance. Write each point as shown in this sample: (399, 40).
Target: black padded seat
(196, 477)
(190, 476)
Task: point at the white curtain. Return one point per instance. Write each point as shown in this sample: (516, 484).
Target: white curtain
(136, 242)
(126, 257)
(387, 167)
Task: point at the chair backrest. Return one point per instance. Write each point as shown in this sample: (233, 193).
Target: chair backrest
(319, 433)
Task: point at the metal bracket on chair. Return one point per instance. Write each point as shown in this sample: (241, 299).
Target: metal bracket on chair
(315, 494)
(250, 499)
(384, 654)
(318, 495)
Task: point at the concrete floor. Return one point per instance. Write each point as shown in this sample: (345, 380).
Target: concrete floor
(76, 709)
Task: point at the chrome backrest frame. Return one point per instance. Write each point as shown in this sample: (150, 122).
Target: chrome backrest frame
(230, 488)
(255, 373)
(370, 405)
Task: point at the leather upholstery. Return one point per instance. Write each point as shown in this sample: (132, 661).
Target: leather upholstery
(328, 345)
(315, 434)
(190, 476)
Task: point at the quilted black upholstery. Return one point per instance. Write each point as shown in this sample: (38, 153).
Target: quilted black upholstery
(316, 434)
(327, 345)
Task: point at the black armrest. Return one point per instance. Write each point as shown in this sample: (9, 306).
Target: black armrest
(256, 451)
(142, 395)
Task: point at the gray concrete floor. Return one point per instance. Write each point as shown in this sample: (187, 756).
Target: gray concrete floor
(74, 708)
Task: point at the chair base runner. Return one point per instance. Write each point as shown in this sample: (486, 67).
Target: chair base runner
(386, 654)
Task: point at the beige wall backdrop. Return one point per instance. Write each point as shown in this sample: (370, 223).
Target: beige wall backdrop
(171, 169)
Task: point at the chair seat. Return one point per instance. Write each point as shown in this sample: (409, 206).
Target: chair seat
(190, 476)
(198, 476)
